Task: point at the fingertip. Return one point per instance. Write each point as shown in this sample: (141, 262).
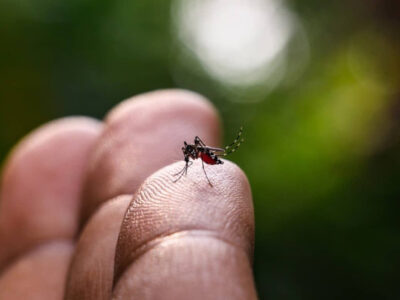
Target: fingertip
(41, 184)
(167, 99)
(39, 136)
(162, 208)
(188, 238)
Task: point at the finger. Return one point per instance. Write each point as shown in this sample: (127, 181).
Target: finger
(41, 185)
(141, 135)
(39, 275)
(92, 267)
(186, 239)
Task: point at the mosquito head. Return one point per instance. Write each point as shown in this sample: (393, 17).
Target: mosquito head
(189, 150)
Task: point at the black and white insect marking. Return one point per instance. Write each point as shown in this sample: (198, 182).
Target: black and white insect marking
(208, 155)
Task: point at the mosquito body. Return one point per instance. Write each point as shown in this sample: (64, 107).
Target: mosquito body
(208, 155)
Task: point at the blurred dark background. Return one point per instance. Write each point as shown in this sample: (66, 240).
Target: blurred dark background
(315, 84)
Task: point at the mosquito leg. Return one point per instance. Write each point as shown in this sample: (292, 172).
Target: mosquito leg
(199, 141)
(181, 171)
(180, 174)
(236, 142)
(202, 162)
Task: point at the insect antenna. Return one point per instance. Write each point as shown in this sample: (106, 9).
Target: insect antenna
(235, 144)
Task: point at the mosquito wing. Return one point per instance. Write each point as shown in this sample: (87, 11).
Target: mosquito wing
(214, 149)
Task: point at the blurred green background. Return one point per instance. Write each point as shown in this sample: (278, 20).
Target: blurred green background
(315, 84)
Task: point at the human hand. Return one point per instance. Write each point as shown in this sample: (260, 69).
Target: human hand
(73, 223)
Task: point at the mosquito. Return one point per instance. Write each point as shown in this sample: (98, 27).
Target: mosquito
(207, 154)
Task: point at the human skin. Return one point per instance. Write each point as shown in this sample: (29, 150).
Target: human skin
(89, 209)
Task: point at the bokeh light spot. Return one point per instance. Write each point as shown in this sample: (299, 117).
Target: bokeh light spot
(237, 42)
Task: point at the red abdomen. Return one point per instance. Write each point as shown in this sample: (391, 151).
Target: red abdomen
(207, 159)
